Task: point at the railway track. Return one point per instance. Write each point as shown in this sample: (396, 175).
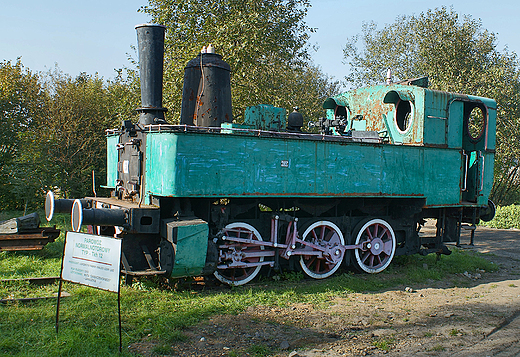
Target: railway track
(35, 281)
(34, 239)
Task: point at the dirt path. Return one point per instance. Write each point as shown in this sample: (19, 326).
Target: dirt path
(439, 320)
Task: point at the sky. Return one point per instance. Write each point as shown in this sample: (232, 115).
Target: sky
(97, 36)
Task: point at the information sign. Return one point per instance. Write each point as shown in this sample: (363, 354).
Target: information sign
(92, 260)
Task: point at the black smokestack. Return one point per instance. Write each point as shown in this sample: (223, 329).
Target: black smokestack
(150, 40)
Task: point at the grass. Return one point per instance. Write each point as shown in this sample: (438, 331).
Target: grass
(458, 262)
(89, 317)
(258, 350)
(438, 348)
(454, 332)
(45, 262)
(384, 344)
(150, 310)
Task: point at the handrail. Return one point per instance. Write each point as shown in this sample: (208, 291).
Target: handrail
(466, 168)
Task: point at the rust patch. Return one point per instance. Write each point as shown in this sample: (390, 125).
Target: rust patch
(34, 239)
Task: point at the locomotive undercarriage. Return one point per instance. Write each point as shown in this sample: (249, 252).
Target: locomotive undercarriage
(244, 235)
(314, 235)
(234, 238)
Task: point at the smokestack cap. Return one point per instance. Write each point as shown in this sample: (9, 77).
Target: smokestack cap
(149, 25)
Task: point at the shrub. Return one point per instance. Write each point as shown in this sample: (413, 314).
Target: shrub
(506, 217)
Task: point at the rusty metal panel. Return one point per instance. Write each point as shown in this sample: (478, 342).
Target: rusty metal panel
(408, 115)
(34, 239)
(382, 110)
(265, 117)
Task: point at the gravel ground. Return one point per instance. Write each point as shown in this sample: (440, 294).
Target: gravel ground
(439, 320)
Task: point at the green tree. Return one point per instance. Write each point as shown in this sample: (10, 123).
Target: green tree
(265, 43)
(123, 96)
(458, 55)
(53, 131)
(21, 103)
(308, 88)
(71, 135)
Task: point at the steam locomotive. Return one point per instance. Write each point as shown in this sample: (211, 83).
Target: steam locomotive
(211, 196)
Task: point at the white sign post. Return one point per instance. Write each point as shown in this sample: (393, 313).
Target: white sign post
(93, 261)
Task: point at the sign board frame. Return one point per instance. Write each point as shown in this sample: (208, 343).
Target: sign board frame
(92, 260)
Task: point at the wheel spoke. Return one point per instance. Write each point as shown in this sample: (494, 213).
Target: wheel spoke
(382, 238)
(314, 235)
(384, 233)
(325, 234)
(329, 236)
(376, 229)
(317, 267)
(369, 234)
(310, 261)
(322, 234)
(242, 275)
(365, 256)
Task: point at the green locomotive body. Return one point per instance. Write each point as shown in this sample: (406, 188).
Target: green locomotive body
(210, 196)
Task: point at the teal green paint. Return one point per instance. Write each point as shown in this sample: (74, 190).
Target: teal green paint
(425, 160)
(359, 125)
(405, 174)
(377, 106)
(430, 122)
(455, 127)
(436, 131)
(228, 127)
(160, 167)
(112, 158)
(395, 96)
(190, 250)
(442, 168)
(489, 161)
(208, 165)
(330, 114)
(391, 128)
(472, 158)
(265, 117)
(491, 132)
